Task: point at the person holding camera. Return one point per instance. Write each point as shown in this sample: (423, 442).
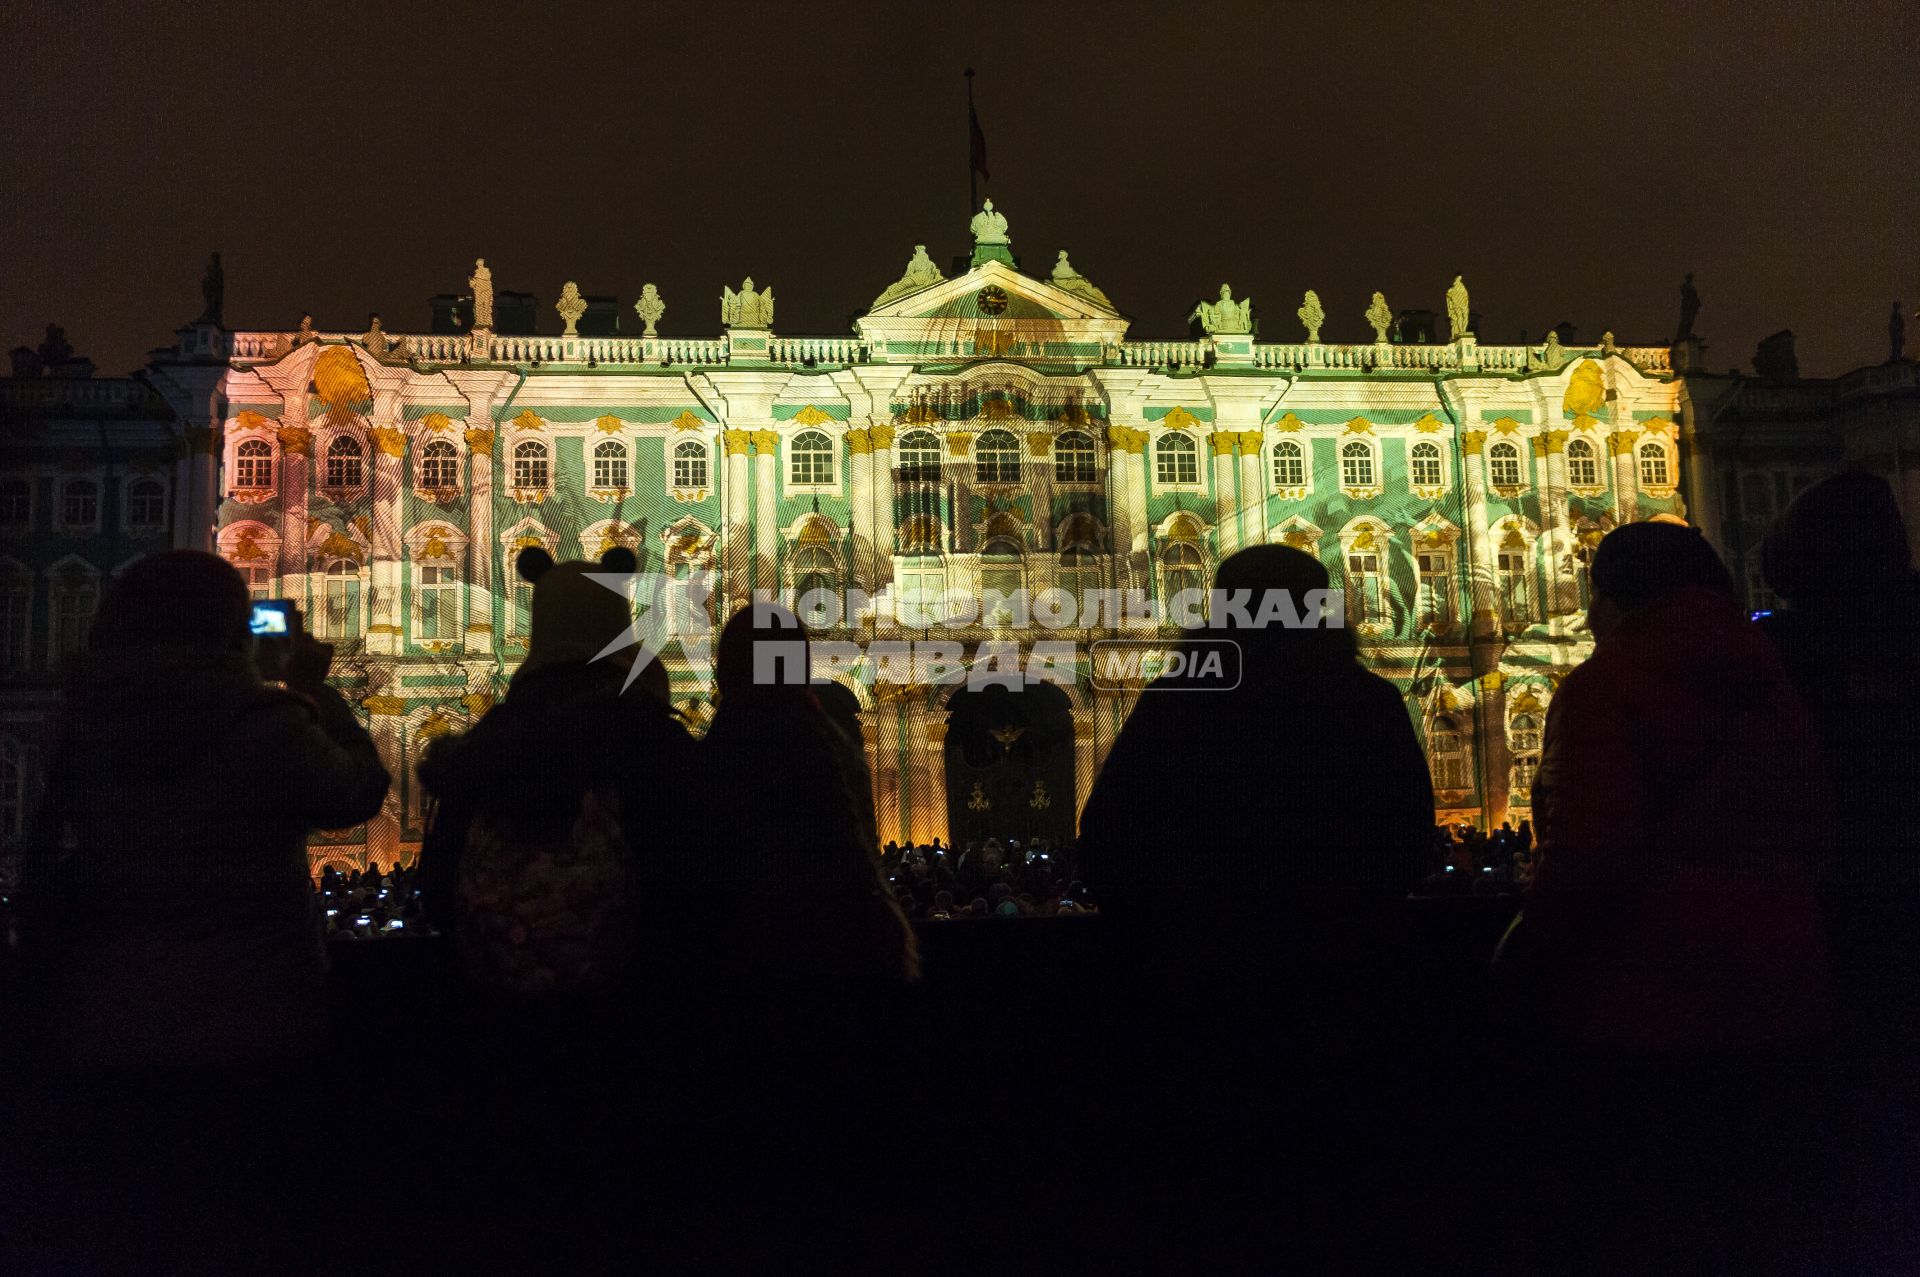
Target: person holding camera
(168, 916)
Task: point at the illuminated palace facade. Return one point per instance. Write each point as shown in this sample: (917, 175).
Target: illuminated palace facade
(981, 428)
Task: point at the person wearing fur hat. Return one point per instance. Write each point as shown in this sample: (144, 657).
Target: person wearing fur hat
(529, 856)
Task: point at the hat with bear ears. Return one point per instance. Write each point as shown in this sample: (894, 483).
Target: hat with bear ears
(575, 616)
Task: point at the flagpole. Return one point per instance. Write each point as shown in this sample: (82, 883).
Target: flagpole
(973, 192)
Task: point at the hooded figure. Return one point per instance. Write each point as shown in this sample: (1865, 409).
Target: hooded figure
(1678, 795)
(539, 810)
(168, 909)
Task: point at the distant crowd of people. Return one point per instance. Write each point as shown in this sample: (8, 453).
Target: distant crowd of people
(988, 878)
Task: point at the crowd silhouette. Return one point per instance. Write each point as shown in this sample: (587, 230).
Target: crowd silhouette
(680, 1005)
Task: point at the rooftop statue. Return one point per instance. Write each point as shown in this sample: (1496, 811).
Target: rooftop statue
(376, 341)
(481, 282)
(1379, 316)
(1312, 315)
(1457, 309)
(306, 333)
(571, 306)
(1065, 277)
(746, 308)
(920, 272)
(213, 289)
(54, 348)
(650, 307)
(1551, 357)
(1225, 316)
(989, 227)
(1689, 308)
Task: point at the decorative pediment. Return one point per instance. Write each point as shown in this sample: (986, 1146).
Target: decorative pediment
(992, 311)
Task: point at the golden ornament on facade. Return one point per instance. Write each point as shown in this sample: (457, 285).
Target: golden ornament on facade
(687, 421)
(1621, 442)
(477, 703)
(527, 420)
(1039, 445)
(247, 549)
(765, 442)
(1289, 424)
(1506, 426)
(1039, 801)
(736, 442)
(1127, 439)
(937, 732)
(811, 416)
(1224, 442)
(1553, 442)
(1183, 527)
(1364, 541)
(1250, 442)
(341, 385)
(1473, 440)
(1359, 426)
(1429, 424)
(338, 545)
(295, 440)
(978, 800)
(859, 442)
(1180, 419)
(391, 706)
(437, 422)
(1300, 539)
(1492, 680)
(251, 420)
(921, 414)
(1586, 393)
(480, 440)
(958, 443)
(435, 548)
(882, 436)
(608, 424)
(391, 441)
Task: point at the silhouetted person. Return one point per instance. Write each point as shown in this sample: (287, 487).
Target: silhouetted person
(1849, 632)
(169, 907)
(545, 807)
(808, 913)
(1304, 782)
(1671, 921)
(1897, 334)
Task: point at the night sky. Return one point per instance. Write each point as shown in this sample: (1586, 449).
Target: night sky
(1572, 161)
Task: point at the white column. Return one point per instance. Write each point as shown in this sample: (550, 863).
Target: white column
(859, 504)
(481, 547)
(1253, 490)
(1479, 547)
(1226, 490)
(296, 458)
(927, 750)
(1038, 465)
(389, 466)
(766, 526)
(1550, 448)
(1127, 480)
(1626, 488)
(736, 584)
(880, 517)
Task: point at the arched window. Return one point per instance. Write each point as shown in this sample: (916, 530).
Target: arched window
(1446, 755)
(439, 466)
(816, 573)
(1654, 471)
(1001, 567)
(1073, 460)
(610, 465)
(996, 458)
(346, 464)
(1583, 464)
(146, 505)
(1503, 465)
(253, 464)
(339, 601)
(1366, 588)
(436, 598)
(16, 504)
(13, 787)
(74, 596)
(1424, 465)
(690, 465)
(1356, 465)
(811, 459)
(530, 465)
(917, 456)
(1289, 465)
(80, 503)
(16, 611)
(1513, 575)
(1079, 571)
(1523, 738)
(1176, 459)
(1181, 569)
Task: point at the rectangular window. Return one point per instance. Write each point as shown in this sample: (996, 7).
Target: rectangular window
(922, 592)
(1436, 588)
(1366, 604)
(340, 606)
(259, 581)
(436, 595)
(72, 612)
(1516, 596)
(14, 653)
(520, 610)
(610, 470)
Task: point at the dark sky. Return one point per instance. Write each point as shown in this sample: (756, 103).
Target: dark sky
(1573, 161)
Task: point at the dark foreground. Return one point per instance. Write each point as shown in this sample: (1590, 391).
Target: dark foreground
(1026, 1108)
